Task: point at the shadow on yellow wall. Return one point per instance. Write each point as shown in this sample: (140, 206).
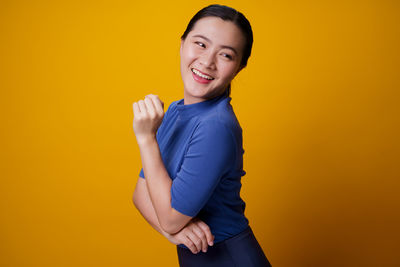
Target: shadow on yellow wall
(318, 103)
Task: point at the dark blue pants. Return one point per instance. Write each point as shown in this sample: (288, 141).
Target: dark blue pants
(239, 250)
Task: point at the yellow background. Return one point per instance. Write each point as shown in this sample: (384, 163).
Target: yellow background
(318, 102)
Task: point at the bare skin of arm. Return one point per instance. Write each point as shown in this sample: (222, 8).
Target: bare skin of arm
(148, 115)
(196, 235)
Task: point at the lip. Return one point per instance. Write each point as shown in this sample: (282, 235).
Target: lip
(201, 79)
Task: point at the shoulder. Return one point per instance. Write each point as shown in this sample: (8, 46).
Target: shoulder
(172, 106)
(172, 109)
(222, 116)
(218, 127)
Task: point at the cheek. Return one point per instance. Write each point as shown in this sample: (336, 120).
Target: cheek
(188, 54)
(228, 70)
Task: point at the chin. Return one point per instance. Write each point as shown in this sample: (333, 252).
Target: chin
(196, 90)
(196, 94)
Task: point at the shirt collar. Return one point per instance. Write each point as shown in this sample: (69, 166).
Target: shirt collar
(191, 110)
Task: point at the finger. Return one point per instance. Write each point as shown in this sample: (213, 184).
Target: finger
(195, 239)
(142, 107)
(158, 104)
(150, 107)
(189, 244)
(156, 97)
(200, 233)
(136, 109)
(207, 231)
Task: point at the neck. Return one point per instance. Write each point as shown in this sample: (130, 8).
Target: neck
(189, 99)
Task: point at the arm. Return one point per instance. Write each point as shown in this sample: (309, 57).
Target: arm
(142, 202)
(210, 155)
(196, 235)
(148, 115)
(159, 187)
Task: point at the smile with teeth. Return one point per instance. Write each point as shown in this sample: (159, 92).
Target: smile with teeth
(198, 73)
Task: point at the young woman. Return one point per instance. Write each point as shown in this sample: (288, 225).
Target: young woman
(192, 155)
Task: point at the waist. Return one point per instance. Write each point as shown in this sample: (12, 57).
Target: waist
(246, 232)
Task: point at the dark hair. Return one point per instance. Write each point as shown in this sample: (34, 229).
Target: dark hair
(228, 14)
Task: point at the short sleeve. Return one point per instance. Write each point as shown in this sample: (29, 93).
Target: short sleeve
(141, 174)
(210, 153)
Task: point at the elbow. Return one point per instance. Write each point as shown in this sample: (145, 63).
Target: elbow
(171, 227)
(135, 200)
(174, 221)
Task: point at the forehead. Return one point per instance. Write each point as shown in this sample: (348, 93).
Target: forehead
(220, 32)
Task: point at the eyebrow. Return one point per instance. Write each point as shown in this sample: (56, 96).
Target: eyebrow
(222, 46)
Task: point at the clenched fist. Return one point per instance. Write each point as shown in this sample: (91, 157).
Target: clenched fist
(147, 117)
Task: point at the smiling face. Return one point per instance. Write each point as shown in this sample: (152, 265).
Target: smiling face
(210, 58)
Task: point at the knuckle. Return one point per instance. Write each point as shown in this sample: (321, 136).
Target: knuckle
(204, 226)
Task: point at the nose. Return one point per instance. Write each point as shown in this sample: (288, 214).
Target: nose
(207, 59)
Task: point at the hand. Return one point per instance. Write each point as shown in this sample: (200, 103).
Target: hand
(148, 115)
(196, 235)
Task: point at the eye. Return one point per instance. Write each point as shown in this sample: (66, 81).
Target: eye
(200, 44)
(227, 56)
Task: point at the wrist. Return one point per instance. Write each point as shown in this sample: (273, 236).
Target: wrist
(146, 139)
(166, 235)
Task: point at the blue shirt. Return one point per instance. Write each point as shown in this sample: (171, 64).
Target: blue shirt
(201, 147)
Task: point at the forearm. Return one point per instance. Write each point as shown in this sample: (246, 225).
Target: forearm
(148, 213)
(148, 115)
(146, 209)
(142, 202)
(157, 179)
